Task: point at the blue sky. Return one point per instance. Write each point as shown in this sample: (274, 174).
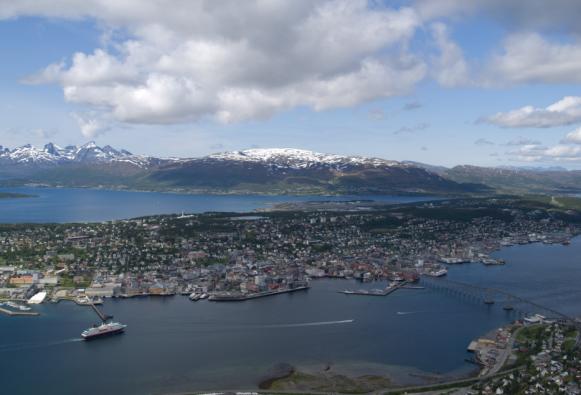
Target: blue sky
(462, 104)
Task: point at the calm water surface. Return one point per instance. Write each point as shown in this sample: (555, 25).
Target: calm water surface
(90, 205)
(174, 345)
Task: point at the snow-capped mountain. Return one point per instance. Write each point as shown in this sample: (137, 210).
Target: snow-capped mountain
(300, 159)
(52, 154)
(271, 170)
(281, 158)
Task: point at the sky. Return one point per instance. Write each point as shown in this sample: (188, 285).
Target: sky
(445, 82)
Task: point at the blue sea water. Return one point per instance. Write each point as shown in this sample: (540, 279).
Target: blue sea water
(92, 205)
(174, 345)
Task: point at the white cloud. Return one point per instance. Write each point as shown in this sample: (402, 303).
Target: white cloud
(569, 150)
(539, 153)
(573, 137)
(566, 111)
(525, 56)
(530, 58)
(90, 125)
(522, 141)
(232, 60)
(450, 68)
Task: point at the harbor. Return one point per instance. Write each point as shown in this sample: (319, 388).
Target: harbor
(300, 329)
(410, 334)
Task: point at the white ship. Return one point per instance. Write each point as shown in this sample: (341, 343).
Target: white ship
(105, 329)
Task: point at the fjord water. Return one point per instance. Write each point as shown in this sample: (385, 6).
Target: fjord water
(93, 205)
(175, 345)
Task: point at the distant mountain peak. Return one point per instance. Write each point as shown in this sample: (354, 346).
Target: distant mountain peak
(52, 154)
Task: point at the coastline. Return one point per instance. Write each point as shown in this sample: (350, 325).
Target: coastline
(234, 192)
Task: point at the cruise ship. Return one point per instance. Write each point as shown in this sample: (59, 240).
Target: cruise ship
(105, 329)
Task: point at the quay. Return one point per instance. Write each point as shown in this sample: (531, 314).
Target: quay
(388, 290)
(230, 297)
(18, 313)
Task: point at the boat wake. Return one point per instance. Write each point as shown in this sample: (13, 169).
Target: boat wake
(298, 325)
(409, 312)
(32, 346)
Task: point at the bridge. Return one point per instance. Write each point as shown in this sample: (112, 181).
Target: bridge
(493, 295)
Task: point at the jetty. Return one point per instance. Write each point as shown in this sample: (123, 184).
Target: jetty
(236, 297)
(18, 313)
(376, 292)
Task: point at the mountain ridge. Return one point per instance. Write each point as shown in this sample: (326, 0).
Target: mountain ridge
(268, 170)
(260, 170)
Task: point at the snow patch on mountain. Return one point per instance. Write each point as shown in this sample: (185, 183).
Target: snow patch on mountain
(301, 159)
(52, 154)
(277, 158)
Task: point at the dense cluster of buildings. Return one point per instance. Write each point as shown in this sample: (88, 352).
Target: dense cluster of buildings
(246, 254)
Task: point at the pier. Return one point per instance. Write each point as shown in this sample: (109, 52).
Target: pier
(18, 313)
(385, 292)
(228, 297)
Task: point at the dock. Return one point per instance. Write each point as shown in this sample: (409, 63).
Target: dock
(385, 292)
(18, 313)
(228, 297)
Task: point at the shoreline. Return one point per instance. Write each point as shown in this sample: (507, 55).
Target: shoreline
(242, 192)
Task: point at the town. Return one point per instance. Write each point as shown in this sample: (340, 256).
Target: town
(237, 256)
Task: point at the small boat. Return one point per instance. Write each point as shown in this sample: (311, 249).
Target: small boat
(488, 301)
(17, 306)
(194, 297)
(508, 307)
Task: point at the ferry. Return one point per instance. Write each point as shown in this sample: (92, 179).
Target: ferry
(105, 329)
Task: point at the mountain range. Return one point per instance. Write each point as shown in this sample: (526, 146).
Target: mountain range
(272, 170)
